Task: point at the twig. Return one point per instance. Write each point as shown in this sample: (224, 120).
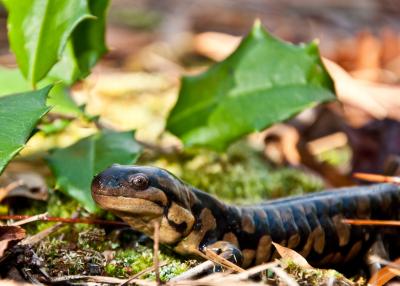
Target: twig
(195, 271)
(376, 178)
(97, 279)
(42, 216)
(284, 276)
(215, 276)
(222, 261)
(371, 222)
(64, 220)
(254, 270)
(40, 235)
(144, 271)
(44, 233)
(156, 247)
(27, 273)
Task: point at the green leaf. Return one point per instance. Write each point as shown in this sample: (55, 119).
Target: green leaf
(19, 114)
(38, 32)
(12, 81)
(89, 37)
(85, 47)
(66, 69)
(62, 102)
(264, 81)
(75, 166)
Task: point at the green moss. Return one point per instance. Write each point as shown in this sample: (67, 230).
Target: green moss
(57, 205)
(95, 252)
(316, 277)
(240, 175)
(63, 257)
(128, 262)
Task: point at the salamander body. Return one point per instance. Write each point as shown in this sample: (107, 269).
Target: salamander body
(192, 220)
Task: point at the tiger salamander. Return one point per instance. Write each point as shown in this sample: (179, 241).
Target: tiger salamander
(191, 220)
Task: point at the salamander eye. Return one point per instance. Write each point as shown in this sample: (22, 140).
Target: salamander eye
(139, 181)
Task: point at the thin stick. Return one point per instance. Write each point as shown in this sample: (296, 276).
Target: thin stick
(42, 216)
(288, 280)
(224, 262)
(30, 240)
(64, 220)
(98, 279)
(156, 247)
(376, 178)
(195, 271)
(254, 270)
(144, 271)
(371, 222)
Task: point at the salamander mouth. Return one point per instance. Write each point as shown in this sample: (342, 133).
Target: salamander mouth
(134, 206)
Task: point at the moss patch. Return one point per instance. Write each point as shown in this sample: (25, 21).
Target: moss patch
(241, 175)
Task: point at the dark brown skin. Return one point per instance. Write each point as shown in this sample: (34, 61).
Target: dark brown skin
(192, 220)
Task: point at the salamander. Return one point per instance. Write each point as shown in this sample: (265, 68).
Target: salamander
(192, 221)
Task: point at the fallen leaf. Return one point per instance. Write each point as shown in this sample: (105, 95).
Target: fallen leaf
(9, 234)
(4, 191)
(378, 100)
(26, 184)
(288, 253)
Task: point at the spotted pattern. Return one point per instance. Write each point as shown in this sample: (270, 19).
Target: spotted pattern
(192, 220)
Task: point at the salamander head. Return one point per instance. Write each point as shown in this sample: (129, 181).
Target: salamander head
(142, 195)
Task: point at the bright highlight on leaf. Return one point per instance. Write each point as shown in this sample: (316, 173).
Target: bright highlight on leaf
(75, 166)
(19, 114)
(264, 81)
(12, 81)
(45, 32)
(39, 30)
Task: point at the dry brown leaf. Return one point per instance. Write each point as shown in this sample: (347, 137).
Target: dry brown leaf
(384, 275)
(378, 100)
(9, 234)
(214, 45)
(288, 253)
(4, 191)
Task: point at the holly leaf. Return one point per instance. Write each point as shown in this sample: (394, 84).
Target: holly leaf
(38, 31)
(75, 166)
(12, 81)
(89, 37)
(19, 114)
(263, 82)
(85, 46)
